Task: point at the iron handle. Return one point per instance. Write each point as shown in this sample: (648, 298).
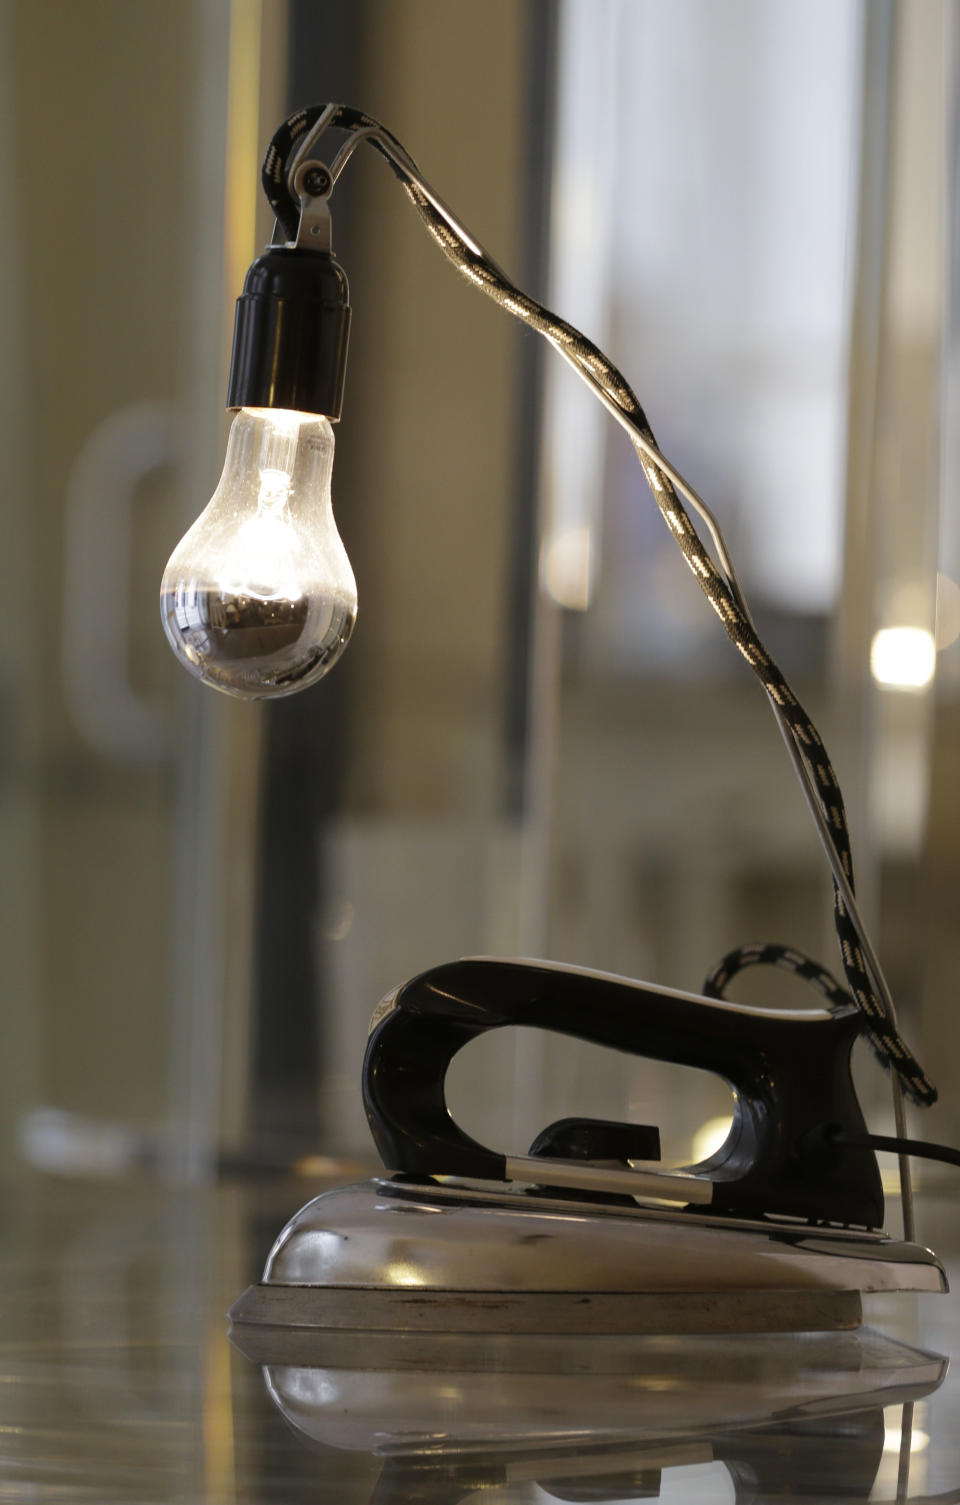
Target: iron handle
(789, 1072)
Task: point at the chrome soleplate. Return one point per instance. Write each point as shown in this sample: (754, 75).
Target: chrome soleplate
(392, 1257)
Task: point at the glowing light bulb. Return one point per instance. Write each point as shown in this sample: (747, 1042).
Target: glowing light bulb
(258, 598)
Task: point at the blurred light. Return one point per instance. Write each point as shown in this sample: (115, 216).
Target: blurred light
(890, 1180)
(565, 570)
(919, 1441)
(339, 920)
(948, 611)
(709, 1137)
(326, 1167)
(400, 1273)
(903, 657)
(70, 1144)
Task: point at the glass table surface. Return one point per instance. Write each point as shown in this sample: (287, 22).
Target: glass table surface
(119, 1383)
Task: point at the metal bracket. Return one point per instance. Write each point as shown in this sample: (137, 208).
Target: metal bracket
(312, 184)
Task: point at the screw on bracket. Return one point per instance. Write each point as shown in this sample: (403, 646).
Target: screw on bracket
(316, 182)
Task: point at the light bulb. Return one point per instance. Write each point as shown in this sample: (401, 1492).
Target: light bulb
(258, 598)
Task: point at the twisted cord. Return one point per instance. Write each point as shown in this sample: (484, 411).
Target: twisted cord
(722, 593)
(788, 959)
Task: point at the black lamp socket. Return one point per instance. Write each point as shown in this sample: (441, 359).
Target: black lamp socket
(290, 334)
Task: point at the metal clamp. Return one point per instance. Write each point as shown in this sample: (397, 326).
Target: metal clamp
(311, 183)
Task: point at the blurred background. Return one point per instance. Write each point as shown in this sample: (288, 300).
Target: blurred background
(540, 742)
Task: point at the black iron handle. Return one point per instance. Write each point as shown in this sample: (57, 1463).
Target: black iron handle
(789, 1071)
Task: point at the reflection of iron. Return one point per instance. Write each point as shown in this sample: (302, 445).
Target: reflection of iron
(805, 1462)
(776, 1231)
(599, 1418)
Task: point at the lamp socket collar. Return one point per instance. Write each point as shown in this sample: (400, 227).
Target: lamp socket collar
(290, 334)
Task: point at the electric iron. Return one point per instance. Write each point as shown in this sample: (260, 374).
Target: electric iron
(778, 1231)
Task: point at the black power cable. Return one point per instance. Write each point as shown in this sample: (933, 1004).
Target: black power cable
(922, 1149)
(819, 1146)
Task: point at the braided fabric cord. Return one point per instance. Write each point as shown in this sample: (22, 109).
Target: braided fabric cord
(788, 959)
(887, 1042)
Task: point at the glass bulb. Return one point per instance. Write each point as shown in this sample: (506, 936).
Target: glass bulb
(258, 598)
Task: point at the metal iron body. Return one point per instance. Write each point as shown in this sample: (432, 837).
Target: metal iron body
(779, 1230)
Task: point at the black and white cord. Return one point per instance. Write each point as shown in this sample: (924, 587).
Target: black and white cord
(866, 986)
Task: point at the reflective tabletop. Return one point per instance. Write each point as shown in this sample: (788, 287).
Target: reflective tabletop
(120, 1383)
